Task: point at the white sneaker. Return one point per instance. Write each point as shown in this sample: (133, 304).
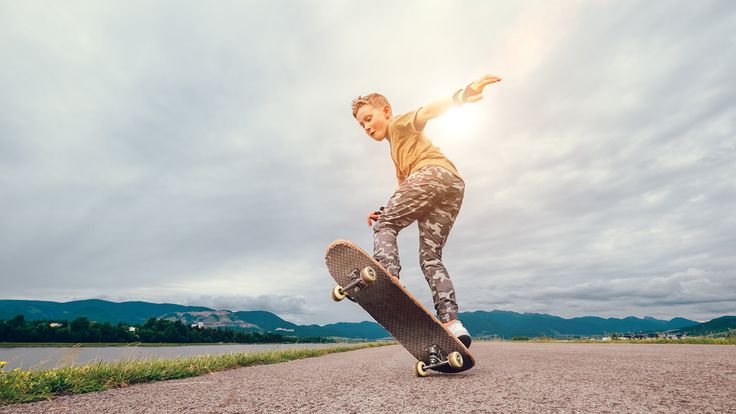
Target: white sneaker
(456, 328)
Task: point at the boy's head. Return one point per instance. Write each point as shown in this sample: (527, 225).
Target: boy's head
(373, 113)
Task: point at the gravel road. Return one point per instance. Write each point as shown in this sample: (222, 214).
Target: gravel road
(509, 378)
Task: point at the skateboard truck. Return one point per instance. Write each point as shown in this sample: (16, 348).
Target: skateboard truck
(436, 359)
(359, 278)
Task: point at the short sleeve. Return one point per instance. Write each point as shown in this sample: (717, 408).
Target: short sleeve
(404, 124)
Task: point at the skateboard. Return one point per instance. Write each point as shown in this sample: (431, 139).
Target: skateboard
(363, 280)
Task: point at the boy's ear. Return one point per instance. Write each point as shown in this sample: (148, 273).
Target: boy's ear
(386, 110)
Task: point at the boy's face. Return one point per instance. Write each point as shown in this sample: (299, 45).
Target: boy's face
(374, 120)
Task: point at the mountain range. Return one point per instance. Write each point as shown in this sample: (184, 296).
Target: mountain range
(504, 324)
(714, 326)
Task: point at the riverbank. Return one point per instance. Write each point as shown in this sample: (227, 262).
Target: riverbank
(19, 386)
(96, 344)
(122, 344)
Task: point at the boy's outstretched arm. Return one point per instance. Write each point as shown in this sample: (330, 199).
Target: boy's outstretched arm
(472, 93)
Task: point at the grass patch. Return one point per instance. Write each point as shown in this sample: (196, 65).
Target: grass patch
(19, 386)
(121, 344)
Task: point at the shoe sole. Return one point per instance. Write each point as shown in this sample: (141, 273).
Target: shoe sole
(465, 339)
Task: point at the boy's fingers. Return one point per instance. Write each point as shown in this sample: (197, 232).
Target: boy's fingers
(373, 217)
(489, 79)
(476, 88)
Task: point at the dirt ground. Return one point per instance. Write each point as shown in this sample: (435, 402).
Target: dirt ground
(508, 378)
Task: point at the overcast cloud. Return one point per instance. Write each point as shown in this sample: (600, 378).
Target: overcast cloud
(205, 153)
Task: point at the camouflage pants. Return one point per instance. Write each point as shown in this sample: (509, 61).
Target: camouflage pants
(431, 196)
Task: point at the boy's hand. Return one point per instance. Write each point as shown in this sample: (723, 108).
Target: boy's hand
(474, 91)
(374, 216)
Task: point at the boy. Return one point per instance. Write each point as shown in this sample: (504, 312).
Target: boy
(430, 191)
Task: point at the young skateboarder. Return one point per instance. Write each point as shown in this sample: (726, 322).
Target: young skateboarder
(430, 191)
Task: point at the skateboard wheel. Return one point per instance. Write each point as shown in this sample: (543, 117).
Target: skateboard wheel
(338, 294)
(420, 369)
(455, 359)
(368, 274)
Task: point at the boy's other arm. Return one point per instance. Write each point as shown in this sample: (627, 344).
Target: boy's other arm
(432, 110)
(472, 93)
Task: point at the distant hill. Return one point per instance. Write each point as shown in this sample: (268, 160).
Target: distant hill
(505, 324)
(214, 319)
(92, 309)
(138, 312)
(508, 324)
(715, 326)
(262, 321)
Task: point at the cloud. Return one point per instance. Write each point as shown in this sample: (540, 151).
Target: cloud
(165, 152)
(279, 304)
(696, 290)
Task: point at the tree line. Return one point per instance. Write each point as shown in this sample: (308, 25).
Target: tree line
(18, 329)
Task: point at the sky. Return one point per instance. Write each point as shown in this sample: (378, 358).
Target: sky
(205, 153)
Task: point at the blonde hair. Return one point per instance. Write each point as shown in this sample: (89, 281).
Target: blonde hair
(375, 99)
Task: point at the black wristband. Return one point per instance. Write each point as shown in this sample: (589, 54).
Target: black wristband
(466, 94)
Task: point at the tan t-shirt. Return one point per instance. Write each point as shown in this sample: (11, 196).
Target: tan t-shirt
(411, 149)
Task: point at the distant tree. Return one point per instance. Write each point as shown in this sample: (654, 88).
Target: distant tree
(81, 329)
(17, 321)
(80, 324)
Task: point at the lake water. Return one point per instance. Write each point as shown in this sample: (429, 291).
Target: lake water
(52, 357)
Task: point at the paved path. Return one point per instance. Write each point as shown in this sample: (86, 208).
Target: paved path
(509, 378)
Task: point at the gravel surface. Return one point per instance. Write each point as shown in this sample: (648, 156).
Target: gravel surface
(509, 378)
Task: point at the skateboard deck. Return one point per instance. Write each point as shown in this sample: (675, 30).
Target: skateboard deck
(394, 308)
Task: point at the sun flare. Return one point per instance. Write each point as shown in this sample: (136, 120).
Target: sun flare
(456, 121)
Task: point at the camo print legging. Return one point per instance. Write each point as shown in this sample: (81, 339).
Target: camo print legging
(431, 196)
